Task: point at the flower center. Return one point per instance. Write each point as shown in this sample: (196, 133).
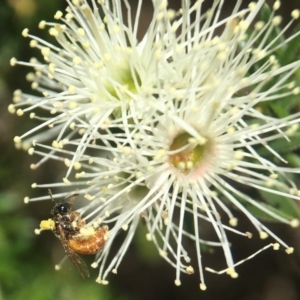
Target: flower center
(127, 81)
(190, 152)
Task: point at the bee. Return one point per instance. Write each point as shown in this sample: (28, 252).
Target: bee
(69, 228)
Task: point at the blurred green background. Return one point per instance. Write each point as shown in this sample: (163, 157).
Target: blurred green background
(27, 261)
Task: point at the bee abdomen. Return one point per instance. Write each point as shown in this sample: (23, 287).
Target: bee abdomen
(90, 245)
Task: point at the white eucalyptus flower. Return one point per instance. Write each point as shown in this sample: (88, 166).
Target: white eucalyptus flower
(97, 72)
(170, 126)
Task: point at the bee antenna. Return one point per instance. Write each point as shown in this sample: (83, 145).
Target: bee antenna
(50, 194)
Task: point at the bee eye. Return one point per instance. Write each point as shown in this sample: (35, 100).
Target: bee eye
(64, 208)
(61, 209)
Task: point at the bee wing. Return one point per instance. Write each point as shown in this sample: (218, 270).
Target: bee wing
(72, 198)
(77, 261)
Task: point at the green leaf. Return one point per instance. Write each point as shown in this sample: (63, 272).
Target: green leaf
(292, 50)
(280, 110)
(266, 217)
(286, 209)
(265, 13)
(282, 145)
(275, 34)
(259, 214)
(284, 206)
(293, 159)
(281, 206)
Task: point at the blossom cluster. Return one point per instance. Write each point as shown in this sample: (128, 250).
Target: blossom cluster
(164, 130)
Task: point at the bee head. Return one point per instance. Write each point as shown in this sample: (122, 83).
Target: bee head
(61, 209)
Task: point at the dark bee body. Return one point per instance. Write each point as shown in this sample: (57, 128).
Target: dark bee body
(66, 228)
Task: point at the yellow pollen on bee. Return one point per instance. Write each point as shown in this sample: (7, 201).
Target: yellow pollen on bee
(87, 231)
(47, 224)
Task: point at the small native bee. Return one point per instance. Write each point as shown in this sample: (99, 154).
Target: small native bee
(68, 227)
